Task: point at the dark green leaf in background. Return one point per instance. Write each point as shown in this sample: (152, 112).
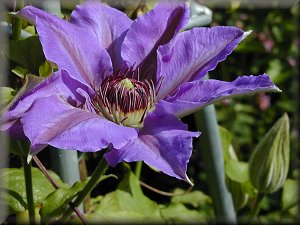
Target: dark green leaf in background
(237, 171)
(56, 202)
(31, 82)
(6, 95)
(27, 53)
(290, 195)
(20, 71)
(127, 204)
(14, 184)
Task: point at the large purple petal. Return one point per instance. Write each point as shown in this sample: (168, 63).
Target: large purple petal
(53, 121)
(192, 54)
(164, 143)
(157, 27)
(72, 48)
(192, 96)
(107, 24)
(59, 83)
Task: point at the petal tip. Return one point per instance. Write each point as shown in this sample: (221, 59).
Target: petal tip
(187, 179)
(29, 158)
(276, 89)
(246, 34)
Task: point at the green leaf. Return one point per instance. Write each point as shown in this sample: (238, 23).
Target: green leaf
(20, 71)
(30, 29)
(127, 204)
(237, 171)
(296, 173)
(31, 82)
(47, 68)
(277, 33)
(116, 207)
(6, 95)
(142, 203)
(239, 195)
(56, 202)
(23, 217)
(130, 6)
(14, 183)
(179, 214)
(275, 71)
(226, 139)
(120, 206)
(195, 198)
(271, 218)
(249, 189)
(290, 194)
(27, 53)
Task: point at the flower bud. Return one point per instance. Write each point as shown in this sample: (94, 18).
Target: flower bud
(269, 163)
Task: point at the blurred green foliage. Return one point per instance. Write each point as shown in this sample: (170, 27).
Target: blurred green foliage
(271, 48)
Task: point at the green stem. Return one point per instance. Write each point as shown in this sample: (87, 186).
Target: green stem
(17, 26)
(138, 169)
(29, 192)
(95, 178)
(256, 206)
(16, 29)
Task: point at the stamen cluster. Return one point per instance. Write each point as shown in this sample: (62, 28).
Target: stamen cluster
(124, 100)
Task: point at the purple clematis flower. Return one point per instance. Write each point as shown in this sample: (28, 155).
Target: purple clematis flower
(124, 83)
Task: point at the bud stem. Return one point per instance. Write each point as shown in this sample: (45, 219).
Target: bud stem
(256, 206)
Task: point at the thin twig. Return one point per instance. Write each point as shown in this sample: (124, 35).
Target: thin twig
(56, 186)
(164, 192)
(45, 172)
(256, 207)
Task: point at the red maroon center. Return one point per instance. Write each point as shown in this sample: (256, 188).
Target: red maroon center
(124, 100)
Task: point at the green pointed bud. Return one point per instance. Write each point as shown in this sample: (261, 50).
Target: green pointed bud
(269, 162)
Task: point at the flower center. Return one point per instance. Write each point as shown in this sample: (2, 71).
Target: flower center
(124, 100)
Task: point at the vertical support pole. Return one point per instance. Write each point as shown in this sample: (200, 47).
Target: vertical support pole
(65, 164)
(211, 148)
